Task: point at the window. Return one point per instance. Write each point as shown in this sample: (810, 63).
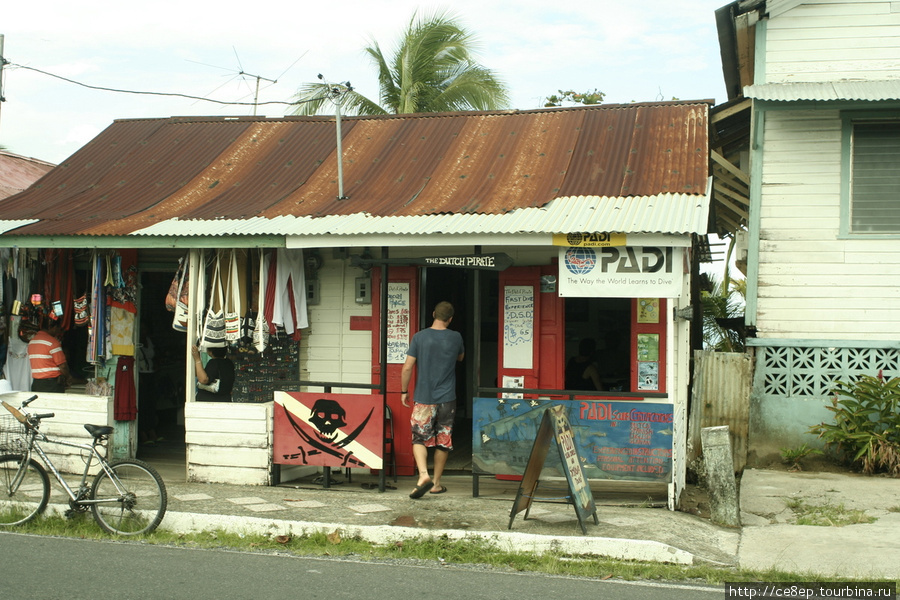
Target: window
(875, 177)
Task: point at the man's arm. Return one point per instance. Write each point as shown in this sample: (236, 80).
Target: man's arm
(405, 377)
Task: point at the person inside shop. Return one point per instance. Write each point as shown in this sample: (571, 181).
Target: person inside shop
(433, 353)
(49, 368)
(582, 371)
(216, 379)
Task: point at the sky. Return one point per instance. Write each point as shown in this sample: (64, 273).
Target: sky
(632, 51)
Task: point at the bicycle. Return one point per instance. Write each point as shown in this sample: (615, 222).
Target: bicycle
(126, 497)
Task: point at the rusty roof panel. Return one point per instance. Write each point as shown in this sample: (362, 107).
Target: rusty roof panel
(19, 172)
(138, 173)
(641, 151)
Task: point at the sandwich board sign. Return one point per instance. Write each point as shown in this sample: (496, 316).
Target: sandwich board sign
(555, 425)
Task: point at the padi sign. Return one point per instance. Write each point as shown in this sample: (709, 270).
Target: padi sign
(621, 272)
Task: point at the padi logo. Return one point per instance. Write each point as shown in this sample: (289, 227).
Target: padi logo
(628, 259)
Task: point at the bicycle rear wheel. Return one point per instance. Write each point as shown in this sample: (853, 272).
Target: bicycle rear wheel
(132, 505)
(24, 490)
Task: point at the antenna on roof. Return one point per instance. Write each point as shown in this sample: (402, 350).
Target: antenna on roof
(241, 73)
(335, 92)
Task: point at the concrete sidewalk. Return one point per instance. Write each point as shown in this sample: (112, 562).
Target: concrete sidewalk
(635, 528)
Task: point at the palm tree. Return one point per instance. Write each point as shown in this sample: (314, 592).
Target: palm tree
(432, 71)
(723, 309)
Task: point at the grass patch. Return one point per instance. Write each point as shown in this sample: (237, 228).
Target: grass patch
(894, 508)
(474, 550)
(826, 515)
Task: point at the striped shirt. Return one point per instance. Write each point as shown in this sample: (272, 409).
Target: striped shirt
(45, 355)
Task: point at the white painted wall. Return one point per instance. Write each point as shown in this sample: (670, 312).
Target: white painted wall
(229, 442)
(813, 285)
(831, 40)
(71, 414)
(330, 351)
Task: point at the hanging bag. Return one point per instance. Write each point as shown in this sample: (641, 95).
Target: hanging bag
(178, 292)
(232, 303)
(214, 324)
(82, 305)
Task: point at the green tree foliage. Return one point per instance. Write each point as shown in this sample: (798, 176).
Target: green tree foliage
(723, 305)
(866, 427)
(572, 97)
(433, 70)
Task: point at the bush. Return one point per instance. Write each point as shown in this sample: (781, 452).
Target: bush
(866, 428)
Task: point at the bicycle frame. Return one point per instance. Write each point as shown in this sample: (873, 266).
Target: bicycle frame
(33, 445)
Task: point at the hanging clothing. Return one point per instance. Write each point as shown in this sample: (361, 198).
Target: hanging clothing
(125, 395)
(289, 306)
(121, 299)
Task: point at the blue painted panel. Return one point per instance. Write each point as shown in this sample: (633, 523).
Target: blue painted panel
(616, 440)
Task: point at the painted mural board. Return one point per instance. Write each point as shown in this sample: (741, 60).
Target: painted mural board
(629, 441)
(328, 430)
(555, 426)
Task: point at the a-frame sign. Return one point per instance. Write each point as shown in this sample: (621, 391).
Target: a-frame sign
(555, 425)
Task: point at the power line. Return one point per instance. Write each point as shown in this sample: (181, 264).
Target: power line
(176, 95)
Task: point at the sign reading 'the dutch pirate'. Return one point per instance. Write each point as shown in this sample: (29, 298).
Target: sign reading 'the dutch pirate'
(328, 430)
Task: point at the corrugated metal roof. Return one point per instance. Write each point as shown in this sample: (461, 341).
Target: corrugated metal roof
(154, 176)
(834, 90)
(667, 213)
(19, 172)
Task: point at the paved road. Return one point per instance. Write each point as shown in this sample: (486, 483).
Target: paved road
(48, 568)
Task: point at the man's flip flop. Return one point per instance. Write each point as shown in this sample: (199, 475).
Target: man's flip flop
(421, 490)
(440, 491)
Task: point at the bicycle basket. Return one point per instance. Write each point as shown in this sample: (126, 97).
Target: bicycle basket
(12, 434)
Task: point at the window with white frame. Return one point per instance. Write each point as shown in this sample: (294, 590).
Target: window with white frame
(875, 177)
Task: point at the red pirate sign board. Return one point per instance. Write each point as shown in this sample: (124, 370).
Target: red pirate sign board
(329, 430)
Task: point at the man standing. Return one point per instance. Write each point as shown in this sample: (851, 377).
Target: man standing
(49, 370)
(436, 350)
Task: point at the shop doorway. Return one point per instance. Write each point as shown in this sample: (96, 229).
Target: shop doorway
(457, 287)
(161, 367)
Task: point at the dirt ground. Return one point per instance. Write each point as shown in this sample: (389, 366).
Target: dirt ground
(695, 497)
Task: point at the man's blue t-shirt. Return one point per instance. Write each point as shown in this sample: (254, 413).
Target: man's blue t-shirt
(436, 351)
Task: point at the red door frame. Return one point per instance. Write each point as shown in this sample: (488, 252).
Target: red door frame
(406, 464)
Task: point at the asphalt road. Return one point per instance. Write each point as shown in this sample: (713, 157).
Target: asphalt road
(49, 568)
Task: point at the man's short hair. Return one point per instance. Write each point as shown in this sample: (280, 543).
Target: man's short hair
(443, 311)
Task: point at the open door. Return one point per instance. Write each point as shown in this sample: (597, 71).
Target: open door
(403, 322)
(532, 330)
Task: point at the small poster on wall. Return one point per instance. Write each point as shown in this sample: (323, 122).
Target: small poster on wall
(518, 327)
(398, 326)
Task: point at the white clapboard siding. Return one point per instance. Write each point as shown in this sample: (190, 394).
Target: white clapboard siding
(333, 352)
(812, 284)
(229, 442)
(71, 412)
(831, 40)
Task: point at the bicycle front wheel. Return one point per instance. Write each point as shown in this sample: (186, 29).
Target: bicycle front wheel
(132, 502)
(24, 489)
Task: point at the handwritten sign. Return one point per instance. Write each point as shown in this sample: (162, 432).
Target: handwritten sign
(518, 327)
(398, 326)
(554, 424)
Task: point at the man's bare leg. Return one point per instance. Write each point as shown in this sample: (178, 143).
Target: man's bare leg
(420, 453)
(440, 461)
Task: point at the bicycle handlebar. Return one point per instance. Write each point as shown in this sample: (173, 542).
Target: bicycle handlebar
(29, 401)
(44, 416)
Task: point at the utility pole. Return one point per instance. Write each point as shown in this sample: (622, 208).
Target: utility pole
(3, 62)
(335, 94)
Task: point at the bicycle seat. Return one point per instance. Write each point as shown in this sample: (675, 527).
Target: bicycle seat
(98, 430)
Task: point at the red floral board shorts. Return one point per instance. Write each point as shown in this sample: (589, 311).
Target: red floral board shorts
(432, 424)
